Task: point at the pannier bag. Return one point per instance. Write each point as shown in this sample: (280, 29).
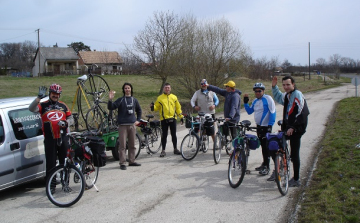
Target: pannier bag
(237, 142)
(97, 146)
(188, 122)
(253, 141)
(209, 127)
(155, 123)
(274, 140)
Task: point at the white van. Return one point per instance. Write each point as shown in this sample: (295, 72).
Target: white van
(22, 154)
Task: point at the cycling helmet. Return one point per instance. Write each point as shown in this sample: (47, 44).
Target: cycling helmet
(259, 85)
(55, 88)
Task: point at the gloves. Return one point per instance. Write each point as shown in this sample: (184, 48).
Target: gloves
(269, 129)
(246, 100)
(181, 121)
(42, 92)
(152, 106)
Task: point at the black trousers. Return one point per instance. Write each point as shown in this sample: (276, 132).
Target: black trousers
(165, 124)
(295, 142)
(266, 153)
(54, 152)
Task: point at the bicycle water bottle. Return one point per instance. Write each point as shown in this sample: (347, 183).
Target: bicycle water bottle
(77, 166)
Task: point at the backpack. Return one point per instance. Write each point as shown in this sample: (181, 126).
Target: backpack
(97, 146)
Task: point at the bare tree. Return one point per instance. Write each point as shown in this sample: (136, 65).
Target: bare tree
(158, 42)
(335, 62)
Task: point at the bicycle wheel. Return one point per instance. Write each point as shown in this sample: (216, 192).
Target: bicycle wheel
(65, 185)
(90, 173)
(205, 143)
(94, 120)
(228, 144)
(282, 172)
(218, 146)
(190, 146)
(154, 140)
(137, 147)
(237, 168)
(85, 100)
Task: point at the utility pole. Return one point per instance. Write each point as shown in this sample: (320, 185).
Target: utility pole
(309, 60)
(38, 30)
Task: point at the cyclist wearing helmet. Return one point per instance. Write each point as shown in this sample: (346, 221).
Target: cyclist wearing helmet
(55, 115)
(264, 111)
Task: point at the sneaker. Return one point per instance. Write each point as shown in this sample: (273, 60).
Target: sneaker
(122, 167)
(272, 177)
(177, 152)
(162, 154)
(264, 171)
(294, 183)
(134, 164)
(260, 167)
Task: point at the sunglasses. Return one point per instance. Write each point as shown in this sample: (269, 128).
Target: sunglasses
(202, 84)
(258, 91)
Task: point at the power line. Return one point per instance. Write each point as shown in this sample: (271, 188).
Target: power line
(16, 37)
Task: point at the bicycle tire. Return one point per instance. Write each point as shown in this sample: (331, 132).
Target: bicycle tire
(70, 191)
(154, 140)
(218, 146)
(94, 121)
(190, 146)
(90, 173)
(228, 144)
(237, 167)
(282, 171)
(93, 83)
(205, 144)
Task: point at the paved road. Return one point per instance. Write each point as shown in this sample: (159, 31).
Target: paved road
(171, 189)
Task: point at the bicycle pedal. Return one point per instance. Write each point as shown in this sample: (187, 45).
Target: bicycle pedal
(247, 171)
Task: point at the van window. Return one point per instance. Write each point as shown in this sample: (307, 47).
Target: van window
(2, 134)
(26, 124)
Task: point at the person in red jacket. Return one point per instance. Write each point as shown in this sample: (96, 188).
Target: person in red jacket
(55, 115)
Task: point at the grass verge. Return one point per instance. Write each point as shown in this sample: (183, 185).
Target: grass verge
(333, 194)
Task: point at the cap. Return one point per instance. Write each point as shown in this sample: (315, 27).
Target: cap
(230, 84)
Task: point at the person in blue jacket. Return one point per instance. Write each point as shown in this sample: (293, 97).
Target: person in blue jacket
(295, 119)
(231, 105)
(264, 111)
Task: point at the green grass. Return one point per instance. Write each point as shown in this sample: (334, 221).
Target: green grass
(334, 192)
(145, 88)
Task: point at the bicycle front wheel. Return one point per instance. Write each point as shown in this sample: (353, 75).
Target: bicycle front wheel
(218, 146)
(94, 120)
(65, 185)
(282, 172)
(85, 100)
(189, 146)
(237, 168)
(154, 140)
(90, 173)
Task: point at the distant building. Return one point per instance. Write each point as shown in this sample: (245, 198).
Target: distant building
(55, 61)
(101, 62)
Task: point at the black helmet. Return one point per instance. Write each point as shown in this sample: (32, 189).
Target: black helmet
(259, 85)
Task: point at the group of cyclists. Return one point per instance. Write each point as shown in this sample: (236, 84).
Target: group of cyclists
(205, 100)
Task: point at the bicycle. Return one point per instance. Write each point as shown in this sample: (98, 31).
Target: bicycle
(192, 142)
(73, 177)
(222, 140)
(278, 142)
(238, 160)
(94, 117)
(152, 135)
(87, 85)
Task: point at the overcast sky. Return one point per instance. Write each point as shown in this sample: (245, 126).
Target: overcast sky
(271, 28)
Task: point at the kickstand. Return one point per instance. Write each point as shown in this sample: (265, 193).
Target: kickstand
(97, 190)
